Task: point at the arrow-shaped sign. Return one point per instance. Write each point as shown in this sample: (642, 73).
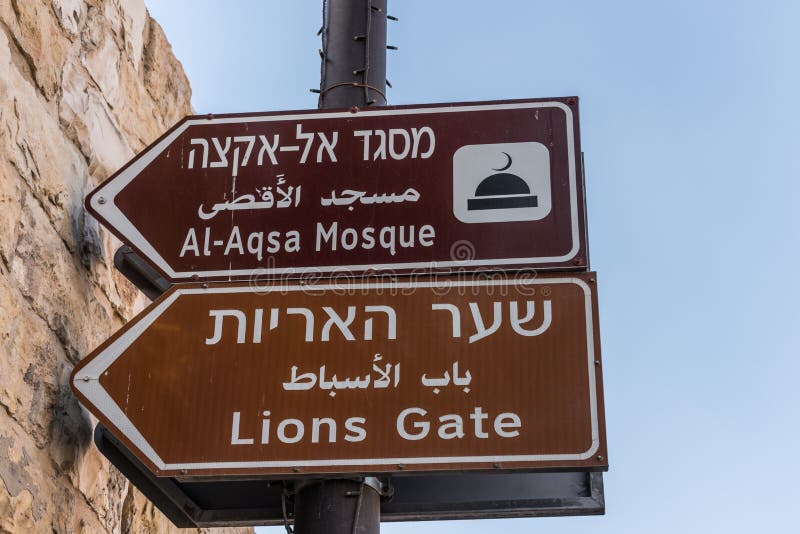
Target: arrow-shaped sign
(237, 380)
(406, 189)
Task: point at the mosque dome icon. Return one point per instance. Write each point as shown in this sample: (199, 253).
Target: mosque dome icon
(502, 190)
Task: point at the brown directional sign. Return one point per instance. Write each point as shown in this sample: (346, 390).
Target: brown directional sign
(434, 188)
(492, 373)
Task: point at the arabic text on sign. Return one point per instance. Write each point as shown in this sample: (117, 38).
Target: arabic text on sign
(387, 374)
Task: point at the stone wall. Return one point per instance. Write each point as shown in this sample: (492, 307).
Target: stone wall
(84, 85)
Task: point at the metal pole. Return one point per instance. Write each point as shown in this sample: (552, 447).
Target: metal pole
(353, 73)
(338, 506)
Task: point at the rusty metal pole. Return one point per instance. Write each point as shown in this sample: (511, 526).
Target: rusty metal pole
(353, 74)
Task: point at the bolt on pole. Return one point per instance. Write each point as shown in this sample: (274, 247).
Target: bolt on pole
(352, 74)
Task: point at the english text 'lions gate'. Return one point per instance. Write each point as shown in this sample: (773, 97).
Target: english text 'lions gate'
(491, 185)
(492, 373)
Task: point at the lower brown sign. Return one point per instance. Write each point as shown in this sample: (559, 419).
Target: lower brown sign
(375, 377)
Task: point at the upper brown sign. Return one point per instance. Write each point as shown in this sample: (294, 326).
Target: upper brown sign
(235, 380)
(434, 188)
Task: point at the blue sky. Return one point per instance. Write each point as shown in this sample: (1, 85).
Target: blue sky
(689, 124)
